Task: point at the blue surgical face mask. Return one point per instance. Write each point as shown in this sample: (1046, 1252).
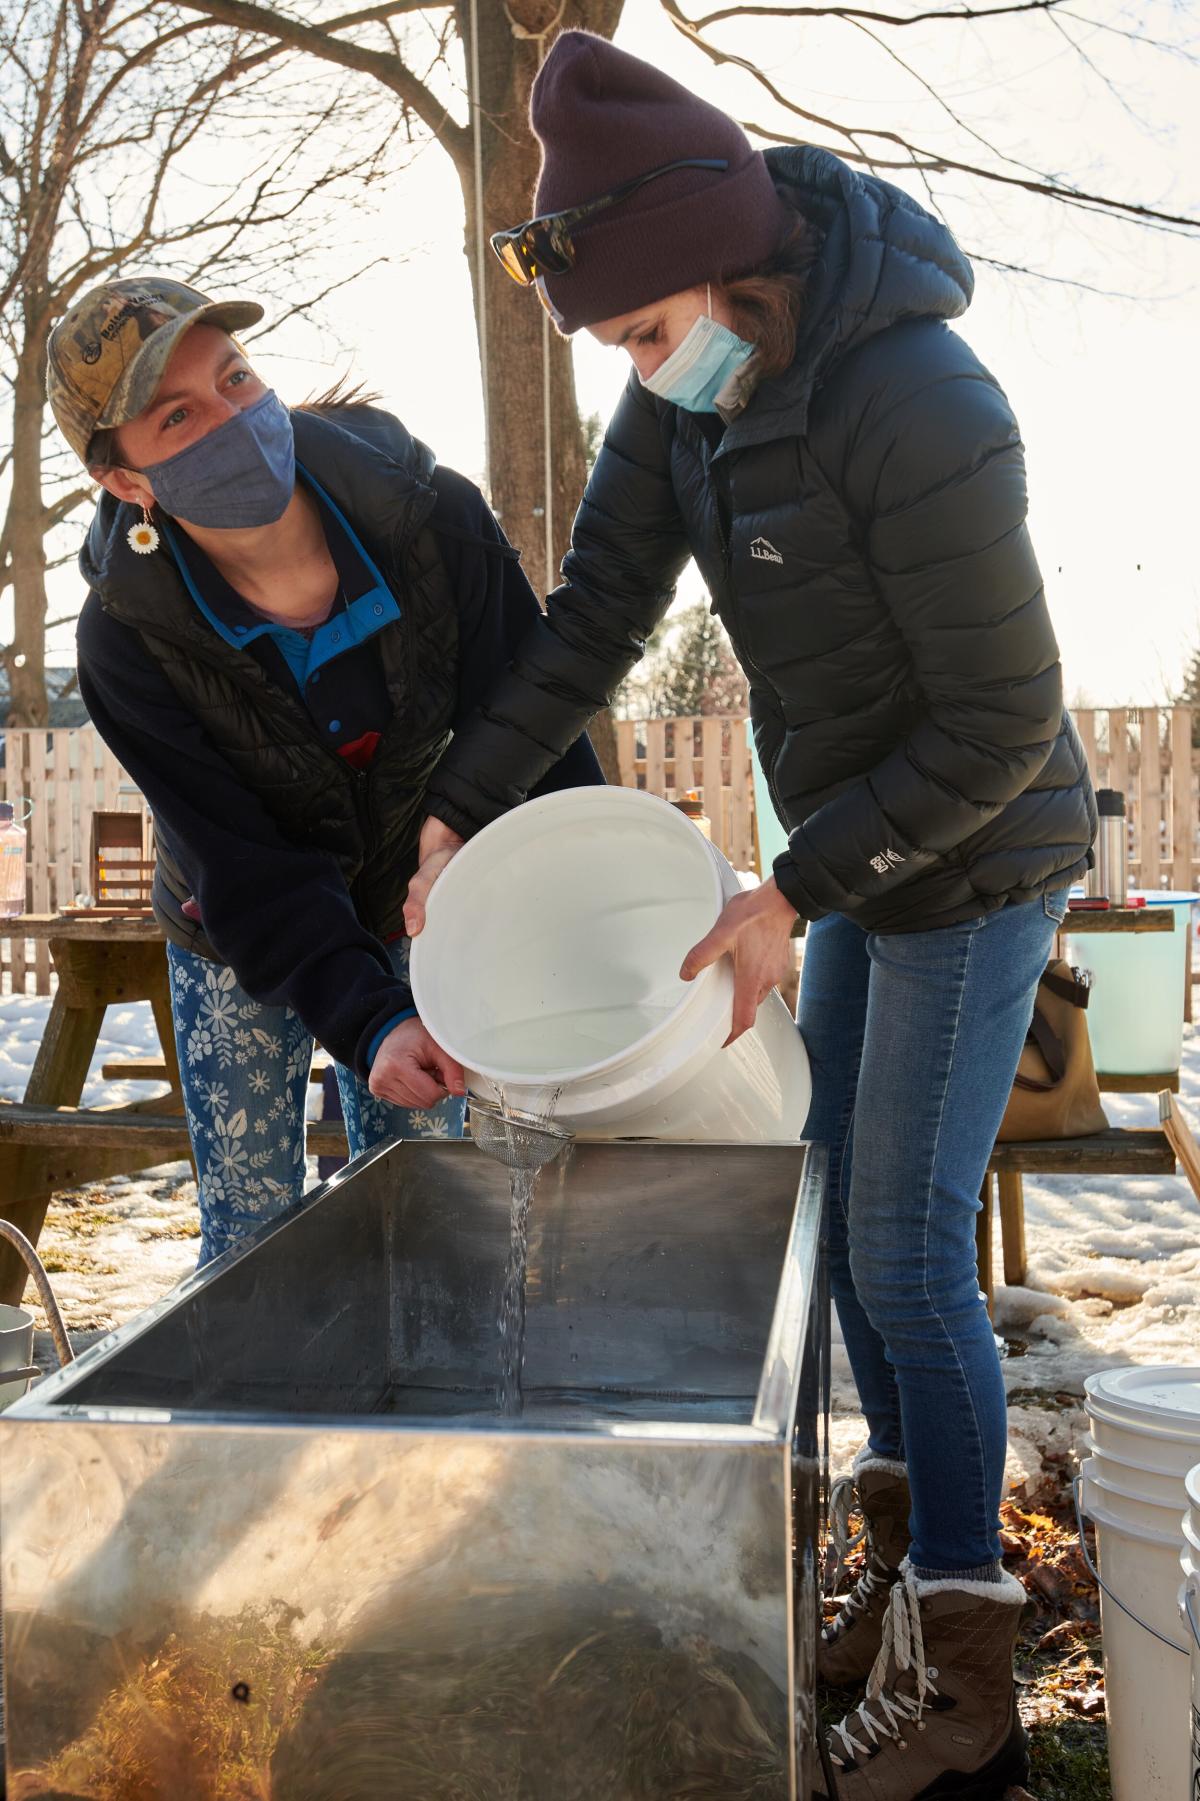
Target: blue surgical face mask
(698, 368)
(244, 473)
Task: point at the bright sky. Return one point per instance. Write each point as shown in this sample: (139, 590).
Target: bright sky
(1106, 390)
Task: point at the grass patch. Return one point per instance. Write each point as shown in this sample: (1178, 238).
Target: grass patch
(63, 1260)
(1068, 1761)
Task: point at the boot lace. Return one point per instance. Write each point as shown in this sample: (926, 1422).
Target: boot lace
(871, 1586)
(843, 1500)
(884, 1714)
(876, 1578)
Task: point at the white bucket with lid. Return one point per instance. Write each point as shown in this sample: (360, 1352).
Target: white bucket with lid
(550, 963)
(1189, 1613)
(1145, 1481)
(1145, 1435)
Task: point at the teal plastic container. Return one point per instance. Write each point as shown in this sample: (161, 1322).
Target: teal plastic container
(772, 839)
(1135, 1011)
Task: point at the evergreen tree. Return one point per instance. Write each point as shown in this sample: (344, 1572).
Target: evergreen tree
(689, 669)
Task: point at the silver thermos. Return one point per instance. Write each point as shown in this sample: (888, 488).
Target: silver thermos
(1110, 877)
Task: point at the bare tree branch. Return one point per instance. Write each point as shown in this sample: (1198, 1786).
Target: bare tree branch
(313, 300)
(957, 13)
(264, 21)
(102, 164)
(1133, 37)
(1046, 185)
(65, 505)
(345, 22)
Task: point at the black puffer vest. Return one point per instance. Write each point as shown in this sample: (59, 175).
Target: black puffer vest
(368, 820)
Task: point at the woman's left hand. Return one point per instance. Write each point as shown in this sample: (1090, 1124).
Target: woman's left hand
(412, 1070)
(438, 844)
(755, 928)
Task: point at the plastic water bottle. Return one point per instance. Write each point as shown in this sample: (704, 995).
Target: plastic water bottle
(12, 863)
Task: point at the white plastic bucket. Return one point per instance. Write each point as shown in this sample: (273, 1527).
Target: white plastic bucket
(1135, 1009)
(550, 962)
(1162, 1455)
(1145, 1435)
(1146, 1481)
(1189, 1612)
(16, 1351)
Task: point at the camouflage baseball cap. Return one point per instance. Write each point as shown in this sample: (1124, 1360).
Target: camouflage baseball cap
(106, 357)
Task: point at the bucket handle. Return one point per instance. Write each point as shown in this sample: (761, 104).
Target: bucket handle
(1189, 1608)
(1101, 1584)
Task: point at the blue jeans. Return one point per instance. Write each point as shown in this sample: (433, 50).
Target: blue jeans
(914, 1040)
(245, 1070)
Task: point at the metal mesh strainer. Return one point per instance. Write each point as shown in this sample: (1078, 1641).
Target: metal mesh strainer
(517, 1140)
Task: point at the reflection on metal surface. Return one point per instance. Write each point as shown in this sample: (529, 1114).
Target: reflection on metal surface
(273, 1540)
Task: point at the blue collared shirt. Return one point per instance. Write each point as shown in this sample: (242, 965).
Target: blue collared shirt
(335, 666)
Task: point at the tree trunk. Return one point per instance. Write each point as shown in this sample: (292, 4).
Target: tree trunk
(27, 679)
(516, 338)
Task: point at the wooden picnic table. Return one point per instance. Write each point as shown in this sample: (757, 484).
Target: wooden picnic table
(49, 1142)
(100, 959)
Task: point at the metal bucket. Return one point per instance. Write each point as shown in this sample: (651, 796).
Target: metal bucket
(275, 1532)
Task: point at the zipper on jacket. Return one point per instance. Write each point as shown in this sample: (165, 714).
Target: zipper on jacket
(723, 491)
(721, 480)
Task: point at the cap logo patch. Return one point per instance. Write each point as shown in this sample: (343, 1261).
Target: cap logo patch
(132, 306)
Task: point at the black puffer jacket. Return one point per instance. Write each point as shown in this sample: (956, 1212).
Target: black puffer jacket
(861, 527)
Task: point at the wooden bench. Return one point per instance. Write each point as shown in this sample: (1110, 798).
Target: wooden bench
(153, 1069)
(1121, 1151)
(63, 1132)
(1117, 1152)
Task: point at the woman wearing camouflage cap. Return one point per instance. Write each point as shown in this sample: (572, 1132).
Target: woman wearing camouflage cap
(289, 612)
(850, 481)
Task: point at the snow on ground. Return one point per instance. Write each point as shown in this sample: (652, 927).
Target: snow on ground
(113, 1247)
(127, 1032)
(1114, 1263)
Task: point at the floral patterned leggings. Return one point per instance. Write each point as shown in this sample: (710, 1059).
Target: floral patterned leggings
(245, 1070)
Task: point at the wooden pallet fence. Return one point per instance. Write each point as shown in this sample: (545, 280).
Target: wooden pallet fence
(61, 777)
(67, 774)
(673, 756)
(1147, 753)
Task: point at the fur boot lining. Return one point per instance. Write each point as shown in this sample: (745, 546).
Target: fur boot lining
(1007, 1590)
(868, 1460)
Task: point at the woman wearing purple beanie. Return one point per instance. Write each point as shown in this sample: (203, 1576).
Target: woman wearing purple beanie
(850, 481)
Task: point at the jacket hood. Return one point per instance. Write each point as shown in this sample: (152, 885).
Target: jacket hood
(883, 259)
(365, 459)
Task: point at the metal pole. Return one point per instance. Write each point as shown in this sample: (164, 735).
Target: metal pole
(480, 246)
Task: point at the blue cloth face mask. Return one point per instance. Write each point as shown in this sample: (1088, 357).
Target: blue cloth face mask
(698, 368)
(244, 473)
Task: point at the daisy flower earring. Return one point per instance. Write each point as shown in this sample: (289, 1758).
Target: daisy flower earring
(142, 537)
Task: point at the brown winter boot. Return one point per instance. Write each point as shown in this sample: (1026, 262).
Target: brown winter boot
(878, 1488)
(940, 1714)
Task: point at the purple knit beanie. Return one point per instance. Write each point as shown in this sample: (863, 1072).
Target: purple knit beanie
(604, 117)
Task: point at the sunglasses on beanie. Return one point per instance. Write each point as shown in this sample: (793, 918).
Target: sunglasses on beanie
(546, 246)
